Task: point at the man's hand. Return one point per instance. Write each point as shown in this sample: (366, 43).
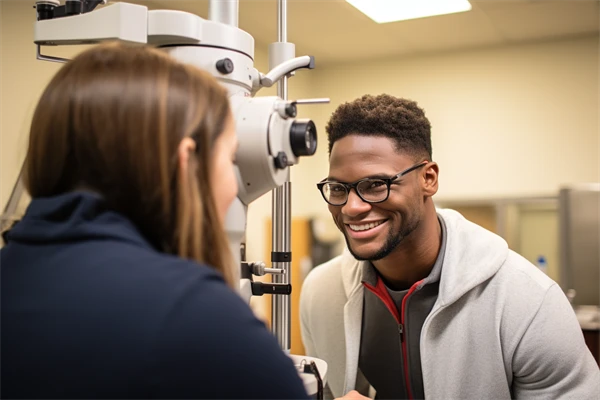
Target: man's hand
(353, 395)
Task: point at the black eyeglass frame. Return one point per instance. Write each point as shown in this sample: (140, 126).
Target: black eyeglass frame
(354, 185)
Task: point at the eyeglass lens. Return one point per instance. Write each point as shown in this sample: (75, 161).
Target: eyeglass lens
(373, 190)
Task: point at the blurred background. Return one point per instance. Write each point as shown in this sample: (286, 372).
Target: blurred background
(511, 89)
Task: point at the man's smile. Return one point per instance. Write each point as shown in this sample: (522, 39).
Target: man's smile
(365, 230)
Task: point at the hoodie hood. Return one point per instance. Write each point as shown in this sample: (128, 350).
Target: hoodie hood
(73, 216)
(473, 255)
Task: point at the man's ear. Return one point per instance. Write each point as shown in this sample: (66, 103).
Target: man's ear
(430, 179)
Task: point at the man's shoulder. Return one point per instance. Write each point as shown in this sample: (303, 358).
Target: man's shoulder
(328, 279)
(518, 271)
(323, 275)
(329, 268)
(518, 289)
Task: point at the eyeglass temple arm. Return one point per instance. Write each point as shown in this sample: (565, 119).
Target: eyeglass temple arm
(406, 171)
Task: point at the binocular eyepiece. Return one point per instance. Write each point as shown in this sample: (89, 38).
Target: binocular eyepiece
(49, 9)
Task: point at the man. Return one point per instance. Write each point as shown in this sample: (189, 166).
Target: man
(425, 304)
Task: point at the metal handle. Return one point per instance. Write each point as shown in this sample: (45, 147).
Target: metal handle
(260, 288)
(283, 69)
(40, 56)
(323, 100)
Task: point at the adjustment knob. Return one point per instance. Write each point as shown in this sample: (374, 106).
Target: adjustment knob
(281, 160)
(225, 66)
(73, 7)
(291, 111)
(45, 9)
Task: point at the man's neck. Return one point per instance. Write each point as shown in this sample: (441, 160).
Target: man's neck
(414, 258)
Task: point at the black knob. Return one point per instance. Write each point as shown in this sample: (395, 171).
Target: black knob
(45, 10)
(291, 111)
(73, 7)
(225, 66)
(281, 160)
(260, 288)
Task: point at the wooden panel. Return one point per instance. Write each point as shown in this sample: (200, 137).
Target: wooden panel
(301, 245)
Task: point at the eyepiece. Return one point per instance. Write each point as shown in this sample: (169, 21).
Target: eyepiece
(303, 137)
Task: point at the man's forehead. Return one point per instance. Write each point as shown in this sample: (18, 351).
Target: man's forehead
(357, 156)
(364, 147)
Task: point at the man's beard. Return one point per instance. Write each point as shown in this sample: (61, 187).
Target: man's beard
(392, 241)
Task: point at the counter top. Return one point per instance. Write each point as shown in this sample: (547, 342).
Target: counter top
(588, 317)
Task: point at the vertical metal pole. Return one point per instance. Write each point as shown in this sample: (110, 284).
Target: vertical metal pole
(281, 212)
(224, 11)
(282, 85)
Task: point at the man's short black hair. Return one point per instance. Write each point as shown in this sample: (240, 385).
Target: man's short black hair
(385, 116)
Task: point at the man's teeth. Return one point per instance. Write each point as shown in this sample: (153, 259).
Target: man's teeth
(365, 226)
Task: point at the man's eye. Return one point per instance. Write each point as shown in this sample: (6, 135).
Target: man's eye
(376, 184)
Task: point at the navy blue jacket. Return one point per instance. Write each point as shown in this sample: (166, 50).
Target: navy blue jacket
(91, 310)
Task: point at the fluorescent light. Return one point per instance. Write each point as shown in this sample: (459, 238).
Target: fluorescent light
(382, 11)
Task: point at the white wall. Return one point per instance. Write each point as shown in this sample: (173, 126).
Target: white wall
(506, 122)
(22, 80)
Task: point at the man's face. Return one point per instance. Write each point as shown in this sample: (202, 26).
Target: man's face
(373, 231)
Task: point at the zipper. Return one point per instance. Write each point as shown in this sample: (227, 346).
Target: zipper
(381, 292)
(401, 332)
(407, 390)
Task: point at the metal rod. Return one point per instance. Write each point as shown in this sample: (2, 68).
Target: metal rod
(224, 11)
(274, 271)
(281, 243)
(281, 212)
(282, 21)
(282, 85)
(40, 56)
(313, 101)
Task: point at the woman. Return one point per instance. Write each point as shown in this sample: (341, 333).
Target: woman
(117, 281)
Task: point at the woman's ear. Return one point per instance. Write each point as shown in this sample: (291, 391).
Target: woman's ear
(430, 181)
(186, 147)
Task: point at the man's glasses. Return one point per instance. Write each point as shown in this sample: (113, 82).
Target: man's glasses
(370, 190)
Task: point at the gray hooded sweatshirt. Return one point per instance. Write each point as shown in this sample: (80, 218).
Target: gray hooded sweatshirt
(499, 329)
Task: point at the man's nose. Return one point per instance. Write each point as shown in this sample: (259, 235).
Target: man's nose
(355, 205)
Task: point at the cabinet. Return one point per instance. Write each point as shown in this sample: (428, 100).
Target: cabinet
(592, 340)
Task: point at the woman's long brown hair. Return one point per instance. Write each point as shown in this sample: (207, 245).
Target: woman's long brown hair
(111, 121)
